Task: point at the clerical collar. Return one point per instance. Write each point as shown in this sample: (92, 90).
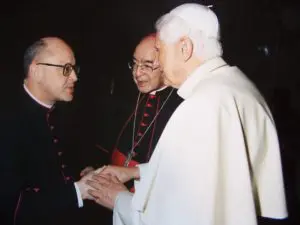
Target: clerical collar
(35, 99)
(157, 90)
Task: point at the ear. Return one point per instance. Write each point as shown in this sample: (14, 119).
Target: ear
(187, 48)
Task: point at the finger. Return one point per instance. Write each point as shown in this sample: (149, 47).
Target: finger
(115, 179)
(98, 197)
(99, 185)
(104, 179)
(99, 170)
(94, 185)
(94, 194)
(109, 169)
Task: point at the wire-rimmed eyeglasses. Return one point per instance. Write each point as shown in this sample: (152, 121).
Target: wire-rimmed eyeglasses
(67, 68)
(148, 68)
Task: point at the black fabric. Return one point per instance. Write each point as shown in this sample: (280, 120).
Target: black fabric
(36, 187)
(147, 109)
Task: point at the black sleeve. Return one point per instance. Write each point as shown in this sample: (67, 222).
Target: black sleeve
(26, 206)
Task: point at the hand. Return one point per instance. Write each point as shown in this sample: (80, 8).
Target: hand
(86, 170)
(123, 174)
(83, 187)
(105, 189)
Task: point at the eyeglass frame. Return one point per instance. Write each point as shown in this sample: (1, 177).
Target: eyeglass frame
(75, 68)
(134, 67)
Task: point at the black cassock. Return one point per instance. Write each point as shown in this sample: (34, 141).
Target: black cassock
(141, 133)
(36, 187)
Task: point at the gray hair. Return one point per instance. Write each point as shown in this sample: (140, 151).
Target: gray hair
(31, 52)
(171, 27)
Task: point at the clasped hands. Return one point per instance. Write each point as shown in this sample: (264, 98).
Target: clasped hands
(104, 184)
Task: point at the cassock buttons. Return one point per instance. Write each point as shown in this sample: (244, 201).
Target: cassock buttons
(143, 124)
(51, 127)
(55, 140)
(63, 166)
(59, 153)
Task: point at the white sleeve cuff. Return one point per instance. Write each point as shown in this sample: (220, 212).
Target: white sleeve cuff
(80, 201)
(122, 209)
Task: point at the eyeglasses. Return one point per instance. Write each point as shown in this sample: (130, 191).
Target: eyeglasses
(133, 66)
(67, 68)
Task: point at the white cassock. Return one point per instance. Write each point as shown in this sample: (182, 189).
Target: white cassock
(217, 161)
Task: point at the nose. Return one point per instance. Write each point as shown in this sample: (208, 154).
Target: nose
(73, 76)
(138, 71)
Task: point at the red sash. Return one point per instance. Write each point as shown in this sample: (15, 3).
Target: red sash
(118, 159)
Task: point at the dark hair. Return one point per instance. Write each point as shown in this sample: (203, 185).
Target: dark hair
(31, 52)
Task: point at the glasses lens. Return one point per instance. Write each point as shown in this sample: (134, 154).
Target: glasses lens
(67, 70)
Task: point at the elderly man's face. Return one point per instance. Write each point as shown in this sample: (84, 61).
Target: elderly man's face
(146, 71)
(170, 62)
(57, 82)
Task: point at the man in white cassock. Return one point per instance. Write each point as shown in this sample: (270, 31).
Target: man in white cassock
(218, 159)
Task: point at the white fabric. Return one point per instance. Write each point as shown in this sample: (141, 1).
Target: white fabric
(158, 90)
(217, 161)
(78, 193)
(142, 168)
(122, 211)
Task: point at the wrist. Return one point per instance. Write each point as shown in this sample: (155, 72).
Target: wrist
(81, 188)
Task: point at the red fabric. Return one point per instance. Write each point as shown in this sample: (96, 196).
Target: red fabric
(118, 159)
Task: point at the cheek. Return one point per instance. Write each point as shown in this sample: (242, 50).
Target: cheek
(161, 58)
(155, 79)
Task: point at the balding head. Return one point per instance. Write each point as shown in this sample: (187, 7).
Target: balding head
(44, 47)
(50, 70)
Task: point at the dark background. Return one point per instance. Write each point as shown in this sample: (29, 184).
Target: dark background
(262, 37)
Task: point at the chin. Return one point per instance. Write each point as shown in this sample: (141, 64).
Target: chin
(144, 89)
(68, 98)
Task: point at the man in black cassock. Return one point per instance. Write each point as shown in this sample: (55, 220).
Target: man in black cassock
(36, 187)
(155, 104)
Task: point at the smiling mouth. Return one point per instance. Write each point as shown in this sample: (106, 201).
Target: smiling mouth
(70, 90)
(141, 83)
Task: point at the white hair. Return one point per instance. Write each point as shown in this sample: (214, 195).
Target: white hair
(205, 38)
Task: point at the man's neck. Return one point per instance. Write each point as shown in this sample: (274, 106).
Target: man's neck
(157, 90)
(32, 95)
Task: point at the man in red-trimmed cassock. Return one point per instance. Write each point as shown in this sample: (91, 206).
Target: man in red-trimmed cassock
(155, 104)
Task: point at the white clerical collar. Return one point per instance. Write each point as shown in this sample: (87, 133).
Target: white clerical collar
(200, 73)
(157, 90)
(35, 99)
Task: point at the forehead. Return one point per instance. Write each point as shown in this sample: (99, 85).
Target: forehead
(159, 43)
(60, 52)
(145, 51)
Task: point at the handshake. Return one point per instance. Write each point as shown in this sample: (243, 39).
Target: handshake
(104, 184)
